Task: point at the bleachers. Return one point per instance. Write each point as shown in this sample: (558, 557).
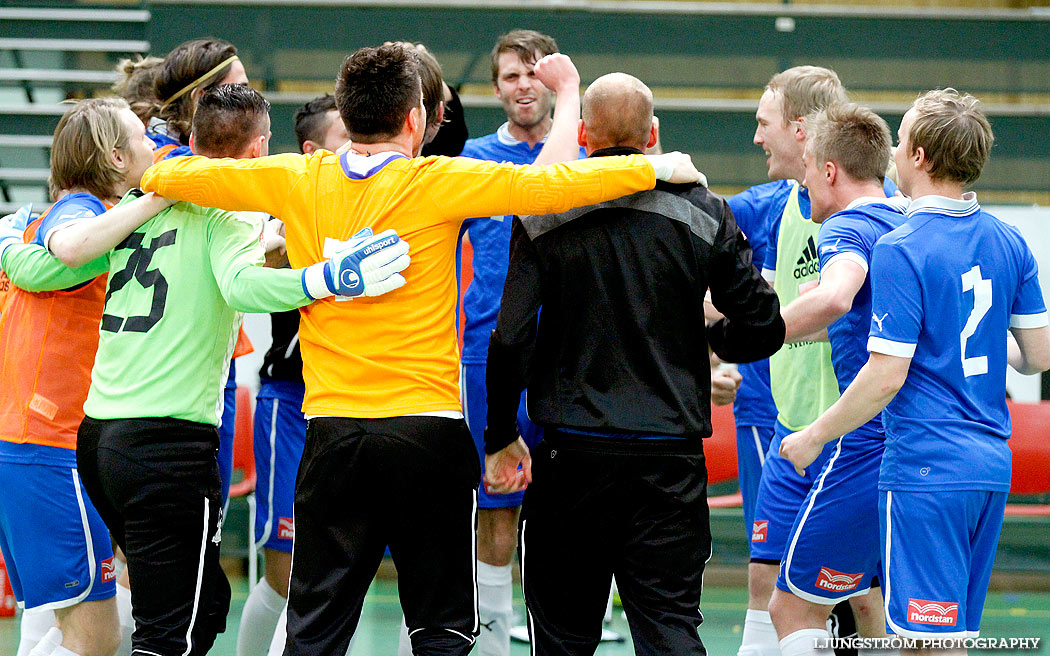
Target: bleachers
(706, 61)
(48, 54)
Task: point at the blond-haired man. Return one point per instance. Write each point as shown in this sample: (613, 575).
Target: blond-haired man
(947, 286)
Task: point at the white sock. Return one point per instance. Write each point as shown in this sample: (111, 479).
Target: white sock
(259, 618)
(280, 634)
(803, 643)
(127, 622)
(404, 642)
(495, 609)
(760, 638)
(47, 645)
(34, 626)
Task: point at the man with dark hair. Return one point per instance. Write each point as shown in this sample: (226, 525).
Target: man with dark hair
(527, 102)
(382, 379)
(233, 121)
(618, 376)
(280, 427)
(146, 450)
(318, 125)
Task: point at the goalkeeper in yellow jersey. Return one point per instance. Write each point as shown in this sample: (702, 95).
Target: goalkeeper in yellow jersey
(388, 457)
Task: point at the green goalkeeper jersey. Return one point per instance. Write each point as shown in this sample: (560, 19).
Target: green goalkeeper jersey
(177, 289)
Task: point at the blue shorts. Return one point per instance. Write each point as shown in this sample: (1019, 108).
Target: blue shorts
(780, 495)
(475, 410)
(938, 549)
(280, 436)
(227, 427)
(752, 442)
(833, 550)
(55, 545)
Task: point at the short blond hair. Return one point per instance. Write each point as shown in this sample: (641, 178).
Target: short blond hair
(83, 141)
(954, 134)
(806, 89)
(852, 136)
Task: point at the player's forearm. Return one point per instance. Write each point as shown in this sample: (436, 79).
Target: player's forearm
(81, 241)
(253, 185)
(31, 268)
(871, 391)
(811, 313)
(258, 289)
(561, 145)
(1028, 350)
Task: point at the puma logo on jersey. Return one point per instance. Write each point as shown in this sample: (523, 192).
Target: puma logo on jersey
(923, 611)
(758, 530)
(879, 320)
(832, 248)
(835, 581)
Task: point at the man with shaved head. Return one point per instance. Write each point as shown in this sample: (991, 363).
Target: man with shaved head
(619, 379)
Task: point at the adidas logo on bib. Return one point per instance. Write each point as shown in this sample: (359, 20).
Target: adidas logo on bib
(808, 264)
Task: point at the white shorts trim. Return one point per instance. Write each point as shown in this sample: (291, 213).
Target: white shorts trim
(887, 586)
(795, 590)
(268, 526)
(200, 579)
(89, 546)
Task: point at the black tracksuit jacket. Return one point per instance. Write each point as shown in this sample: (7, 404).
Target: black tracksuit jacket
(621, 344)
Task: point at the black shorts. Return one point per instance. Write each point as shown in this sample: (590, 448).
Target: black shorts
(597, 509)
(155, 482)
(364, 484)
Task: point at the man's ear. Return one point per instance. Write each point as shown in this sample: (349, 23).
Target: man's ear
(800, 128)
(441, 113)
(581, 134)
(831, 172)
(118, 159)
(918, 159)
(256, 146)
(654, 134)
(310, 147)
(193, 145)
(414, 120)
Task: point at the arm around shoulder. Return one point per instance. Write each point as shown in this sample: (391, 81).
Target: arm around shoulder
(31, 268)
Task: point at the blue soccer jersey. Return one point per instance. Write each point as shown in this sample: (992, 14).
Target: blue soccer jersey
(491, 242)
(69, 208)
(947, 285)
(850, 235)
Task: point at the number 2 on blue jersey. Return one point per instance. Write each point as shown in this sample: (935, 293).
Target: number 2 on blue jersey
(982, 302)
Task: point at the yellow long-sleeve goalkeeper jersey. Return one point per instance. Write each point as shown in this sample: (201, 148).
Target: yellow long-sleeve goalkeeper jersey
(396, 354)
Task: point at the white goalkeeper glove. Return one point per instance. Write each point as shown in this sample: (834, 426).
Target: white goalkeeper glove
(369, 265)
